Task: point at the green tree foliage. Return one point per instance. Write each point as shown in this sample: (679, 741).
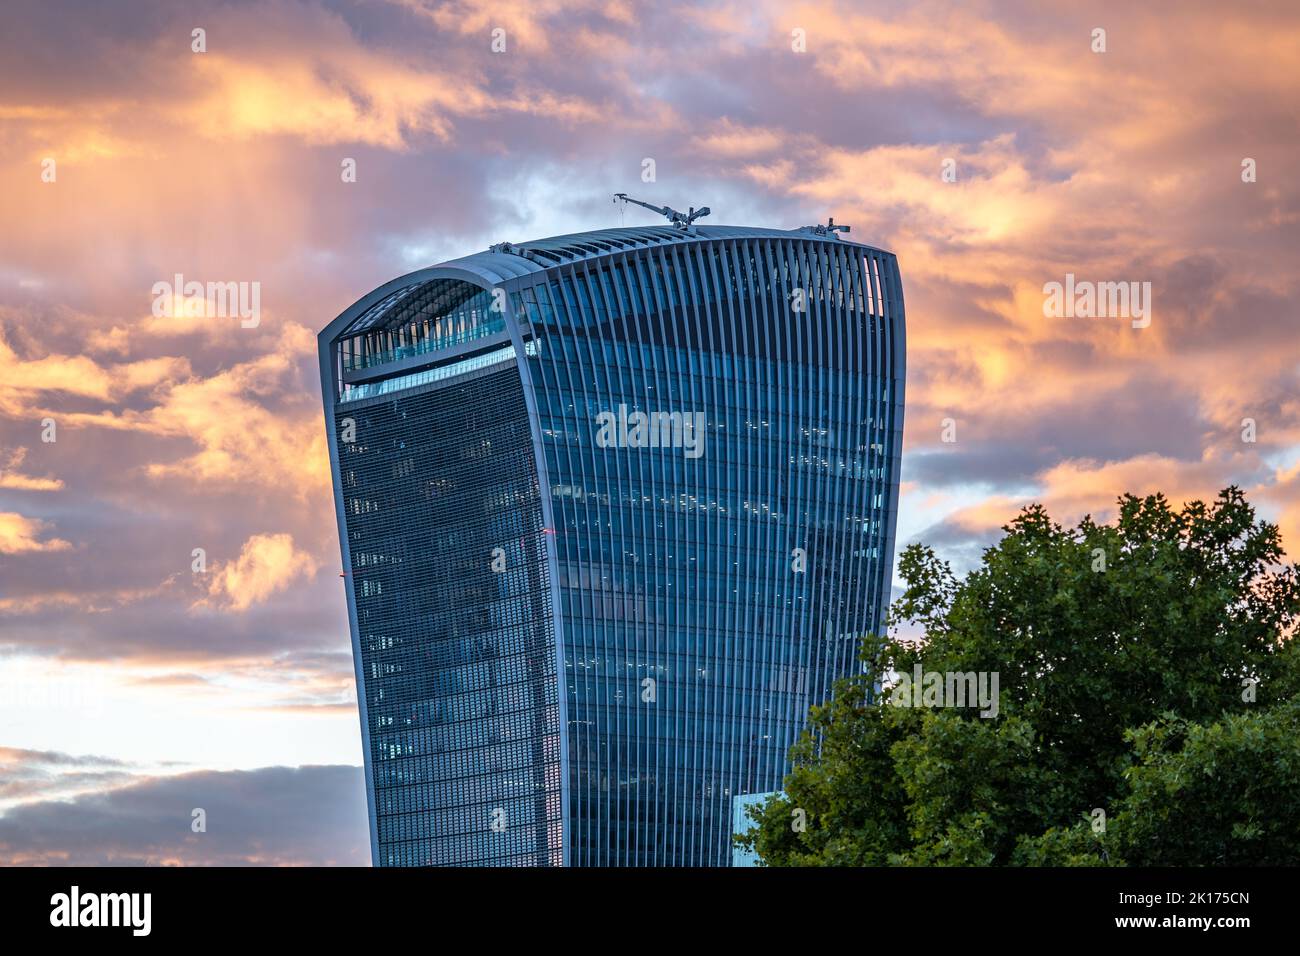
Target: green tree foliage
(1147, 709)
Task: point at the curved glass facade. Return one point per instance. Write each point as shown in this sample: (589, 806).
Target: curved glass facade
(698, 433)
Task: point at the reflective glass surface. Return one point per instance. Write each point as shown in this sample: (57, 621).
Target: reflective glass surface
(710, 595)
(599, 576)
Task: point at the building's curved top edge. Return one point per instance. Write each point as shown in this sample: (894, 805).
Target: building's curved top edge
(511, 259)
(506, 261)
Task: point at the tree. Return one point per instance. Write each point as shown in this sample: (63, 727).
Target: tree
(1130, 658)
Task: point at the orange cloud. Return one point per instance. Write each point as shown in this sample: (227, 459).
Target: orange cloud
(20, 534)
(240, 438)
(252, 423)
(733, 140)
(529, 23)
(11, 477)
(1077, 487)
(267, 564)
(28, 382)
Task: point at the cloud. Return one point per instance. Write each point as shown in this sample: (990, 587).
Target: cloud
(533, 24)
(1072, 488)
(267, 564)
(29, 382)
(734, 140)
(275, 816)
(253, 422)
(12, 478)
(243, 436)
(20, 534)
(46, 774)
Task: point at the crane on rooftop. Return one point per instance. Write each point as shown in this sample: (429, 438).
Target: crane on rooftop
(680, 220)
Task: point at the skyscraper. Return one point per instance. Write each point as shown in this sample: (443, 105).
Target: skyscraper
(615, 509)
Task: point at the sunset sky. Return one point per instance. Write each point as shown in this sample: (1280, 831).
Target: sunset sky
(133, 690)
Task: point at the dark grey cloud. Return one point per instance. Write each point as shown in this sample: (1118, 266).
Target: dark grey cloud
(162, 629)
(26, 774)
(1006, 449)
(312, 816)
(957, 544)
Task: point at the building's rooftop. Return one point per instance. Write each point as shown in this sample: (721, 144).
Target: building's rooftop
(504, 258)
(509, 260)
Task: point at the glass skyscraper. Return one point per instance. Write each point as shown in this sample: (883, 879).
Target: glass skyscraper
(615, 509)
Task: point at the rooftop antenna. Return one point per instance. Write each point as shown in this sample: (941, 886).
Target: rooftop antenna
(680, 220)
(827, 230)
